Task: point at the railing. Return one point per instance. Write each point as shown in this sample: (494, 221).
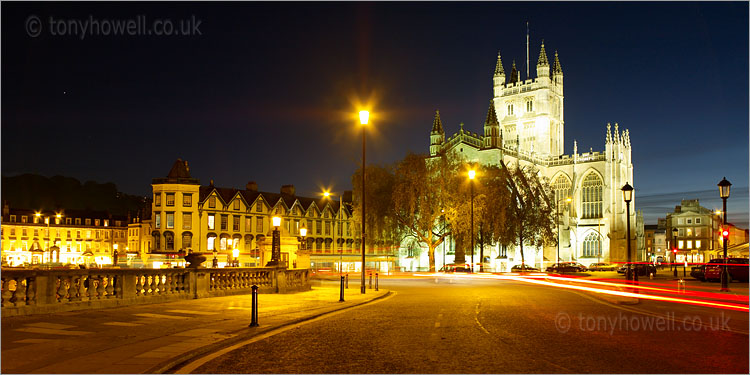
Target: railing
(46, 291)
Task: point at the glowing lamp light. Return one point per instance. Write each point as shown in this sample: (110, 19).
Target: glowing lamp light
(37, 214)
(627, 192)
(236, 253)
(363, 117)
(725, 233)
(724, 186)
(472, 173)
(569, 199)
(326, 194)
(276, 221)
(303, 231)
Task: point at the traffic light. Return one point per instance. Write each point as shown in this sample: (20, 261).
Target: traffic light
(674, 250)
(725, 233)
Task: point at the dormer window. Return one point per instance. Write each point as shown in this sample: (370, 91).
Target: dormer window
(212, 202)
(236, 204)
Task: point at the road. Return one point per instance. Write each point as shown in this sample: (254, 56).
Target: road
(500, 326)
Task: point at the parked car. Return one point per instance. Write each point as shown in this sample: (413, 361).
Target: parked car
(737, 269)
(643, 269)
(452, 268)
(698, 271)
(602, 267)
(567, 267)
(523, 268)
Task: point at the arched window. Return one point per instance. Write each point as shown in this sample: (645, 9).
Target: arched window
(561, 187)
(211, 242)
(169, 240)
(592, 245)
(157, 239)
(591, 196)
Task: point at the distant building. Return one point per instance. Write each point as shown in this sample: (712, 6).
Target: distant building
(525, 126)
(75, 237)
(697, 232)
(655, 243)
(216, 221)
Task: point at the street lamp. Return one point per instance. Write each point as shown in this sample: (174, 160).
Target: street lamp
(236, 256)
(675, 232)
(336, 223)
(363, 117)
(472, 173)
(627, 195)
(724, 186)
(275, 243)
(303, 233)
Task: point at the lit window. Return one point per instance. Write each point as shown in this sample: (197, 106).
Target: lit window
(170, 199)
(689, 244)
(212, 202)
(561, 187)
(211, 242)
(106, 223)
(187, 200)
(697, 244)
(223, 244)
(187, 220)
(211, 221)
(591, 196)
(157, 199)
(96, 222)
(157, 222)
(689, 230)
(24, 218)
(680, 244)
(36, 220)
(248, 223)
(170, 220)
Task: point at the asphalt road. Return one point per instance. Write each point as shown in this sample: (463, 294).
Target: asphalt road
(501, 326)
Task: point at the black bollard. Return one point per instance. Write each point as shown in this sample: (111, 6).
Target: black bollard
(341, 293)
(254, 311)
(376, 281)
(347, 281)
(370, 280)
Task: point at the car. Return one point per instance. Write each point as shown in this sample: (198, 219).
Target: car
(523, 268)
(452, 268)
(602, 267)
(566, 267)
(643, 269)
(698, 272)
(736, 267)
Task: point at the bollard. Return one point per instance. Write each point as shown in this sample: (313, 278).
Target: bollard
(341, 293)
(376, 281)
(680, 286)
(370, 280)
(254, 311)
(347, 281)
(651, 275)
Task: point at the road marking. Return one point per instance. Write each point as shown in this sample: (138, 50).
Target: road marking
(476, 319)
(53, 331)
(122, 324)
(161, 316)
(192, 312)
(191, 366)
(49, 325)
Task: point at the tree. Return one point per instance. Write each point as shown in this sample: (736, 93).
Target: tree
(530, 204)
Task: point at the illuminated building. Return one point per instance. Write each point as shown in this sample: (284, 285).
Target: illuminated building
(76, 237)
(187, 217)
(698, 229)
(525, 126)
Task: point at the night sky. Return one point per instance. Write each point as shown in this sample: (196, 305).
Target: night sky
(269, 91)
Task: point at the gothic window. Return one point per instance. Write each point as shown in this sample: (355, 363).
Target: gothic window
(591, 196)
(592, 245)
(561, 186)
(169, 240)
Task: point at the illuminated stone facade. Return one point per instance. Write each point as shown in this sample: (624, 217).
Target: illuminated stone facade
(76, 237)
(525, 126)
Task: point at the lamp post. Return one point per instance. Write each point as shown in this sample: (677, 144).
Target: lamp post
(472, 173)
(275, 243)
(442, 211)
(303, 233)
(335, 225)
(236, 257)
(724, 186)
(363, 118)
(627, 194)
(675, 232)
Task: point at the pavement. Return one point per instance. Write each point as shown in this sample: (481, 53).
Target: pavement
(157, 338)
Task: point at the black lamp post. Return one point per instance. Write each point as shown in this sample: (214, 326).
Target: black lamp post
(275, 243)
(675, 232)
(724, 186)
(363, 119)
(627, 194)
(472, 173)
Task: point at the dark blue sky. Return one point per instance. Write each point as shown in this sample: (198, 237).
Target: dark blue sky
(266, 91)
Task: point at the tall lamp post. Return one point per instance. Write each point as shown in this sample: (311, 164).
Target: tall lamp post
(275, 243)
(472, 174)
(336, 223)
(724, 186)
(363, 118)
(675, 232)
(627, 194)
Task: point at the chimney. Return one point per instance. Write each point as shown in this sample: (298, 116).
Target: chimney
(252, 186)
(212, 183)
(677, 209)
(287, 189)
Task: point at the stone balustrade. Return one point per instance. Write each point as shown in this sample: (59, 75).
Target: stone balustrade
(27, 292)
